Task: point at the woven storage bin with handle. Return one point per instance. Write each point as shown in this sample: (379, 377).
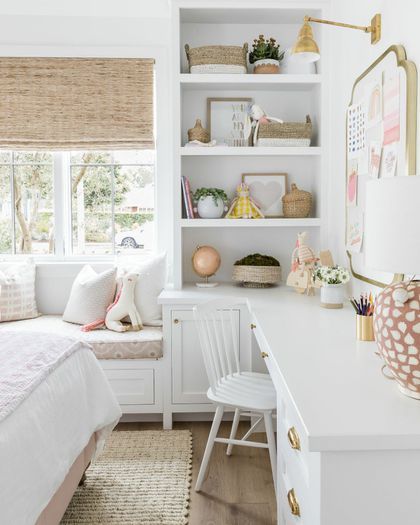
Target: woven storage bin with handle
(256, 276)
(297, 203)
(285, 134)
(217, 59)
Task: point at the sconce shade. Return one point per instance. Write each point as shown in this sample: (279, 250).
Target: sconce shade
(306, 49)
(392, 225)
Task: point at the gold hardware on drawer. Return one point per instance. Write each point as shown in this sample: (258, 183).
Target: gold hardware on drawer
(176, 321)
(293, 503)
(253, 326)
(293, 438)
(264, 355)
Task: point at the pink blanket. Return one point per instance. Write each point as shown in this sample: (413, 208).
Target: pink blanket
(27, 359)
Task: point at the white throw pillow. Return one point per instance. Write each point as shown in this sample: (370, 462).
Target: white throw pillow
(17, 291)
(90, 296)
(151, 281)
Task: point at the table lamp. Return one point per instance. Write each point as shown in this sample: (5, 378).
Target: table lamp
(392, 244)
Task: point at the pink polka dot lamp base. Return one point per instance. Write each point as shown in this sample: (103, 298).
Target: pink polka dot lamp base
(397, 334)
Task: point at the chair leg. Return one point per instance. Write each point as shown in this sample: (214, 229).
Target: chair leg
(268, 421)
(233, 431)
(209, 447)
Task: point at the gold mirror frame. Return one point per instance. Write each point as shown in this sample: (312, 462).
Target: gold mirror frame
(411, 134)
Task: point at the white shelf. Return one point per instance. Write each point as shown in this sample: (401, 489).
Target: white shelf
(197, 151)
(248, 81)
(249, 223)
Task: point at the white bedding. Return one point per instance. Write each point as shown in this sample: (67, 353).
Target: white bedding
(41, 439)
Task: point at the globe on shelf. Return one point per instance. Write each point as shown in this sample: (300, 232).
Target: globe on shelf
(206, 262)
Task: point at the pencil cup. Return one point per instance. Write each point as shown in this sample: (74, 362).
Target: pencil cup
(364, 328)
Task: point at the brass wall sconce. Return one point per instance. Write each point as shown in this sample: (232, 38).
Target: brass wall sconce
(307, 49)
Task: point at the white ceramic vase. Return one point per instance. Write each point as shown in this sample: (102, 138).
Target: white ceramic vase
(332, 295)
(208, 209)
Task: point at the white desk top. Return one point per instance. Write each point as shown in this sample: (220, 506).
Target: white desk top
(336, 383)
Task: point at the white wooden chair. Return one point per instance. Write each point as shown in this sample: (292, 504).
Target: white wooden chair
(248, 393)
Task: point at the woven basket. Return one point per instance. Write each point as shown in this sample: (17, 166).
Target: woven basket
(198, 133)
(209, 56)
(297, 203)
(286, 133)
(256, 276)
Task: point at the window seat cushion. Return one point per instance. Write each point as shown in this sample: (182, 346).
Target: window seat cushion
(106, 344)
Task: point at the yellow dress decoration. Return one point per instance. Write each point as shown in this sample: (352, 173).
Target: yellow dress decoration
(243, 207)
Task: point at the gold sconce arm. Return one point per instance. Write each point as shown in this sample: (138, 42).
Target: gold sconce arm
(374, 29)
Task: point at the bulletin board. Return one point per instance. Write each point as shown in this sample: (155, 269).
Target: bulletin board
(381, 142)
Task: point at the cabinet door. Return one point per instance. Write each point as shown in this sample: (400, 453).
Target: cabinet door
(189, 378)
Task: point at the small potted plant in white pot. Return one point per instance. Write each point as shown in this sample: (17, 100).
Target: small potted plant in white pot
(211, 203)
(266, 55)
(332, 280)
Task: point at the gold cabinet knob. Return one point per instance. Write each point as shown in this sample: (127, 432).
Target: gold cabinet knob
(253, 326)
(293, 503)
(264, 355)
(176, 321)
(293, 438)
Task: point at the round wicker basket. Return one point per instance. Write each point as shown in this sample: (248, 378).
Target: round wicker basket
(297, 203)
(256, 276)
(198, 133)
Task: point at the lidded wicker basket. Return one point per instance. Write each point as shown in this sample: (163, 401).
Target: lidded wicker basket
(256, 276)
(297, 203)
(217, 59)
(198, 133)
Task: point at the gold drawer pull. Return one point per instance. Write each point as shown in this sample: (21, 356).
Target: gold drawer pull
(293, 503)
(253, 326)
(293, 438)
(264, 355)
(176, 321)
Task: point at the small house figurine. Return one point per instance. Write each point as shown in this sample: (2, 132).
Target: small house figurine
(302, 268)
(243, 207)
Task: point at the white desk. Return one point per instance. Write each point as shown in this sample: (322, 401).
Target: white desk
(359, 462)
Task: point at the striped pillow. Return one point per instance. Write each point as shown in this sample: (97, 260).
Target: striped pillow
(17, 291)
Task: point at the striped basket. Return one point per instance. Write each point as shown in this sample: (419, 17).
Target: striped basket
(285, 134)
(217, 59)
(256, 276)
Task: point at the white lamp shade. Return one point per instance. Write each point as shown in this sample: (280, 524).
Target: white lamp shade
(392, 225)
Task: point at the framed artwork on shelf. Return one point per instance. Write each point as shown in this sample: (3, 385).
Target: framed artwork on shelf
(267, 190)
(229, 122)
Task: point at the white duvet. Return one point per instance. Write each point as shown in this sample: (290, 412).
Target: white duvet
(43, 436)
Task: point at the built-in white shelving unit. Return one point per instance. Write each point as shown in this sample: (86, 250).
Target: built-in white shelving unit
(287, 96)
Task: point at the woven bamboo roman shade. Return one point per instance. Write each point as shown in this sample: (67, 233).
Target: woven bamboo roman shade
(76, 103)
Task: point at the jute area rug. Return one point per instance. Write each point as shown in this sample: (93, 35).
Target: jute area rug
(142, 477)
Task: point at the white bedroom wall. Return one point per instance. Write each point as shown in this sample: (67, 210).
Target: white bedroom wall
(351, 53)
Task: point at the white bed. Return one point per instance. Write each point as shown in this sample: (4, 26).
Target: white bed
(48, 430)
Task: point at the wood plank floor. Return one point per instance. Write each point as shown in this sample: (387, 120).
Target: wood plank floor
(238, 489)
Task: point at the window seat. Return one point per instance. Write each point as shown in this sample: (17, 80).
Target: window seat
(106, 344)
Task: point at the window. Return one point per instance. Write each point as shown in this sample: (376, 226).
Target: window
(79, 203)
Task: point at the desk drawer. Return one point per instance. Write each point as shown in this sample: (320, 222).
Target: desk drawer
(292, 498)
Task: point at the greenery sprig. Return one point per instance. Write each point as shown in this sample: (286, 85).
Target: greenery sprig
(216, 193)
(263, 48)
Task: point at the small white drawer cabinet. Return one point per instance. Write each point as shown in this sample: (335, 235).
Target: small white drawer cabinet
(186, 381)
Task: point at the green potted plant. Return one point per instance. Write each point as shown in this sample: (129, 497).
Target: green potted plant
(211, 203)
(266, 55)
(332, 279)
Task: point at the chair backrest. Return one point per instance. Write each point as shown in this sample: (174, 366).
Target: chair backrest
(217, 325)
